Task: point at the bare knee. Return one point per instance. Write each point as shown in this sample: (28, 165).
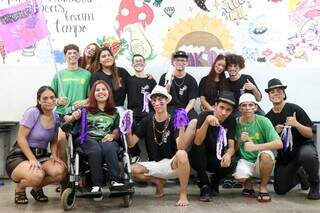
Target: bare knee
(182, 157)
(59, 174)
(35, 179)
(265, 158)
(137, 169)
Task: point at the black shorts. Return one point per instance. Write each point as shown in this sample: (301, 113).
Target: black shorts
(16, 156)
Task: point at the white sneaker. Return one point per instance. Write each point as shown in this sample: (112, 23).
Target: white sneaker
(97, 189)
(116, 184)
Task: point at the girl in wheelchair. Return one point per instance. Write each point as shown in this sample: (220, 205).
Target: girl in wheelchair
(99, 135)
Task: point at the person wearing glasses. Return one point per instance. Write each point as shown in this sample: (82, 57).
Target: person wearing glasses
(165, 147)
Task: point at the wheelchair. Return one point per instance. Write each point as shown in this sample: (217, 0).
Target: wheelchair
(78, 170)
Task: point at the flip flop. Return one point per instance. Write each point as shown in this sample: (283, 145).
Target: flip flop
(263, 197)
(250, 193)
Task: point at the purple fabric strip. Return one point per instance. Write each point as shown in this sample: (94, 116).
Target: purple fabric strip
(146, 99)
(180, 118)
(84, 126)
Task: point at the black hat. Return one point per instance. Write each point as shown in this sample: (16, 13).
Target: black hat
(275, 83)
(180, 54)
(227, 97)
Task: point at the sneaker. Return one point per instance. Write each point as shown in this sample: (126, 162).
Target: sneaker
(116, 184)
(205, 193)
(135, 159)
(314, 192)
(98, 190)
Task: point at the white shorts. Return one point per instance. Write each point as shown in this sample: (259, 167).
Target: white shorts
(246, 169)
(161, 169)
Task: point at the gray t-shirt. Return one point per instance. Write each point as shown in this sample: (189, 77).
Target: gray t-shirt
(39, 136)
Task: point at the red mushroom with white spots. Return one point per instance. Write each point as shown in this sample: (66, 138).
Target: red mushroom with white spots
(134, 16)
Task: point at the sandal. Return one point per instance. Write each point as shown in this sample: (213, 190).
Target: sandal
(39, 195)
(227, 184)
(250, 193)
(263, 197)
(20, 198)
(236, 184)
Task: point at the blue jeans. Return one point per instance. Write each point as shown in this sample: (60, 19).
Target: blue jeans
(102, 152)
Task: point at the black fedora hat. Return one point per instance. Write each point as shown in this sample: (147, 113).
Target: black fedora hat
(275, 83)
(227, 97)
(180, 54)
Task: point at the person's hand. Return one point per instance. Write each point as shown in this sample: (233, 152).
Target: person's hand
(225, 160)
(76, 114)
(212, 120)
(149, 76)
(68, 118)
(292, 120)
(250, 146)
(80, 104)
(249, 85)
(279, 128)
(34, 165)
(62, 101)
(244, 137)
(108, 138)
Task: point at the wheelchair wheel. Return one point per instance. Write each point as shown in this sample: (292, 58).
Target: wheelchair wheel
(127, 200)
(68, 199)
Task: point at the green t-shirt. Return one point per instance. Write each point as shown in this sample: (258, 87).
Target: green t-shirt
(75, 86)
(260, 131)
(100, 124)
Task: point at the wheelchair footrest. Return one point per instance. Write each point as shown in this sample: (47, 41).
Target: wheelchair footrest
(86, 193)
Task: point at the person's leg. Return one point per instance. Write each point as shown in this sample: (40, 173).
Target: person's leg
(94, 153)
(198, 161)
(190, 132)
(180, 163)
(139, 174)
(308, 159)
(266, 161)
(110, 151)
(62, 145)
(54, 172)
(243, 173)
(285, 177)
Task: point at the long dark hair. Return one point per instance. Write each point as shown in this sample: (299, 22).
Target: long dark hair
(92, 61)
(39, 93)
(211, 87)
(116, 80)
(110, 106)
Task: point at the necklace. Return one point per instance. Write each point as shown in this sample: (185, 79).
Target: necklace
(179, 85)
(162, 132)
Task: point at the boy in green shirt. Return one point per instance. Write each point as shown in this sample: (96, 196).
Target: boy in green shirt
(256, 137)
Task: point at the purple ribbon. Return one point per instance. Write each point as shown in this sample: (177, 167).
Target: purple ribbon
(286, 137)
(180, 118)
(221, 141)
(126, 120)
(84, 126)
(146, 99)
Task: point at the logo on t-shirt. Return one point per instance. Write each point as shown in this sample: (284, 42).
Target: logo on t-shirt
(144, 89)
(166, 135)
(181, 90)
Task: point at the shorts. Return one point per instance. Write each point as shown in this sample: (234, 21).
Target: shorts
(161, 169)
(246, 169)
(16, 156)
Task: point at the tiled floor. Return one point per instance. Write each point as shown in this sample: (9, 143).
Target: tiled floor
(228, 201)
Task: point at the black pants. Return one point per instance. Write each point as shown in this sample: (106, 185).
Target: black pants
(99, 153)
(202, 161)
(286, 176)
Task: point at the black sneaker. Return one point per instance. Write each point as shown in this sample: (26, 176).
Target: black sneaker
(205, 193)
(314, 192)
(303, 178)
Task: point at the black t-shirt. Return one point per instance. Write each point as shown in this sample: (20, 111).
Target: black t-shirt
(119, 95)
(157, 152)
(210, 93)
(135, 89)
(182, 90)
(298, 139)
(236, 86)
(212, 132)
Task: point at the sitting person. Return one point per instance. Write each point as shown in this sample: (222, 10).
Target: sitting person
(256, 137)
(209, 152)
(165, 146)
(298, 162)
(29, 164)
(99, 137)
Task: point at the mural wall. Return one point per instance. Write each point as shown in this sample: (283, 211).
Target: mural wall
(276, 37)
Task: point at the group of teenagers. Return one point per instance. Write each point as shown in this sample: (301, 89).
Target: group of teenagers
(232, 136)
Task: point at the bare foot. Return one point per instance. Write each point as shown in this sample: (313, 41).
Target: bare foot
(183, 200)
(159, 188)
